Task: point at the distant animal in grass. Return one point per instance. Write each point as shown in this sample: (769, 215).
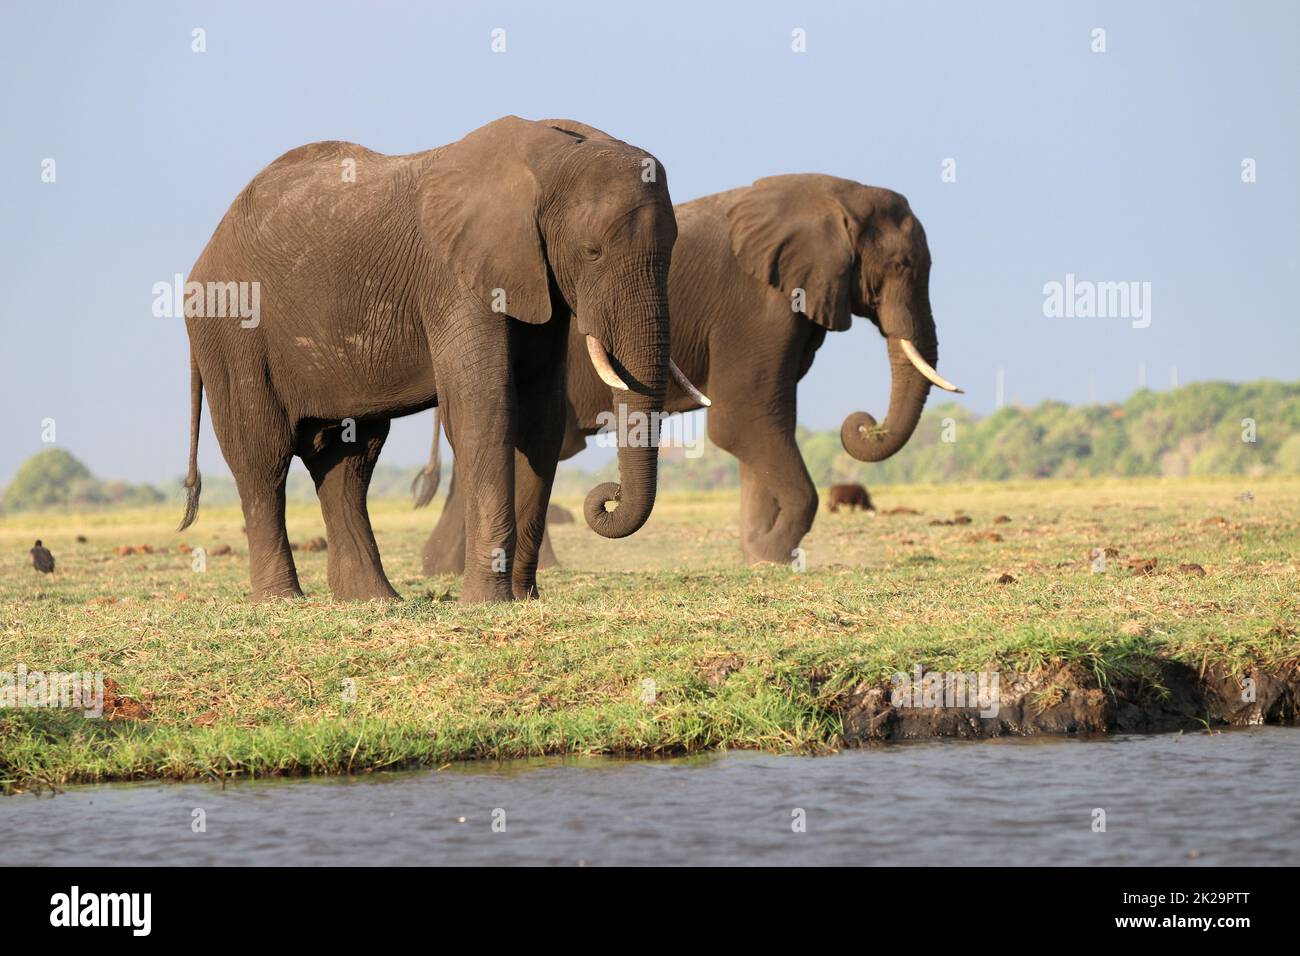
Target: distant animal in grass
(42, 560)
(855, 496)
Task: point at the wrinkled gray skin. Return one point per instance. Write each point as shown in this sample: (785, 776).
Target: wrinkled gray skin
(740, 256)
(444, 278)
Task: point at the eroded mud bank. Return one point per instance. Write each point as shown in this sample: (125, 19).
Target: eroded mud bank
(1070, 700)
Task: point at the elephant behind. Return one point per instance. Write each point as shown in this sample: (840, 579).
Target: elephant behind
(391, 284)
(760, 274)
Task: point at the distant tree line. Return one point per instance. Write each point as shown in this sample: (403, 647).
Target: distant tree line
(1207, 428)
(54, 478)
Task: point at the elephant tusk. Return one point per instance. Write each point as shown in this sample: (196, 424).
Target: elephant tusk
(680, 378)
(924, 368)
(600, 359)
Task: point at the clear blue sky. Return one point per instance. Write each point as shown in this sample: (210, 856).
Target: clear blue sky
(1123, 165)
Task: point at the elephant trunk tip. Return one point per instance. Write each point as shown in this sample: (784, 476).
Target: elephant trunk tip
(867, 440)
(620, 522)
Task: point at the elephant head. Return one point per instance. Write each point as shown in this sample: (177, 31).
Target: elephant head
(837, 248)
(531, 210)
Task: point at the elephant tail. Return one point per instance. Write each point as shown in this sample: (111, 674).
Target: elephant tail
(193, 481)
(427, 479)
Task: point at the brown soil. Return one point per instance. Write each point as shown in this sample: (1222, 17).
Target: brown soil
(960, 519)
(1066, 699)
(117, 707)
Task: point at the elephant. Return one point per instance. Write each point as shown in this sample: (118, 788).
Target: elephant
(760, 274)
(448, 279)
(855, 496)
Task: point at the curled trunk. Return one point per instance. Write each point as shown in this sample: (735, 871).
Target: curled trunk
(632, 497)
(860, 434)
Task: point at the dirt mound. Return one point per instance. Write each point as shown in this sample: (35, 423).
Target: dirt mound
(1066, 699)
(119, 707)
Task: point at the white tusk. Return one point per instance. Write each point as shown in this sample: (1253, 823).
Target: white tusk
(680, 378)
(924, 368)
(600, 359)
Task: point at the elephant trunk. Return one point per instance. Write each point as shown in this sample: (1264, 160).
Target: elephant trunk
(860, 435)
(638, 353)
(633, 495)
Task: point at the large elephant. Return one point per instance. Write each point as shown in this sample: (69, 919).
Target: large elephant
(390, 284)
(760, 275)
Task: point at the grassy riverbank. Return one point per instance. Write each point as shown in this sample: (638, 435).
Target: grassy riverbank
(737, 657)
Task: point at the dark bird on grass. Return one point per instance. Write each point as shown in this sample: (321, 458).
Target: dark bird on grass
(42, 560)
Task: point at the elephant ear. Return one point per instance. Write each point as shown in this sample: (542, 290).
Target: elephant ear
(479, 202)
(796, 239)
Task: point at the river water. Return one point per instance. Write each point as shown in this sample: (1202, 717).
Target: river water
(1197, 799)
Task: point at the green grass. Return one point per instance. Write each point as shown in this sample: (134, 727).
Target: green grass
(739, 657)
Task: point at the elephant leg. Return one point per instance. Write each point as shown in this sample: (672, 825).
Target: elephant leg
(759, 512)
(779, 503)
(541, 435)
(444, 552)
(778, 499)
(489, 521)
(478, 417)
(546, 556)
(532, 494)
(260, 464)
(342, 472)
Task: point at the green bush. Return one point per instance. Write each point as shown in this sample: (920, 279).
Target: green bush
(53, 478)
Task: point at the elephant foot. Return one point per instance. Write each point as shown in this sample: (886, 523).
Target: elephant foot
(527, 592)
(768, 552)
(482, 591)
(442, 563)
(443, 554)
(275, 593)
(364, 591)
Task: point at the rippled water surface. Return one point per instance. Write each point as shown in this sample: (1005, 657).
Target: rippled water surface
(1228, 798)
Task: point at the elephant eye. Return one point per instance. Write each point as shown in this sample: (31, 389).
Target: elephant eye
(591, 252)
